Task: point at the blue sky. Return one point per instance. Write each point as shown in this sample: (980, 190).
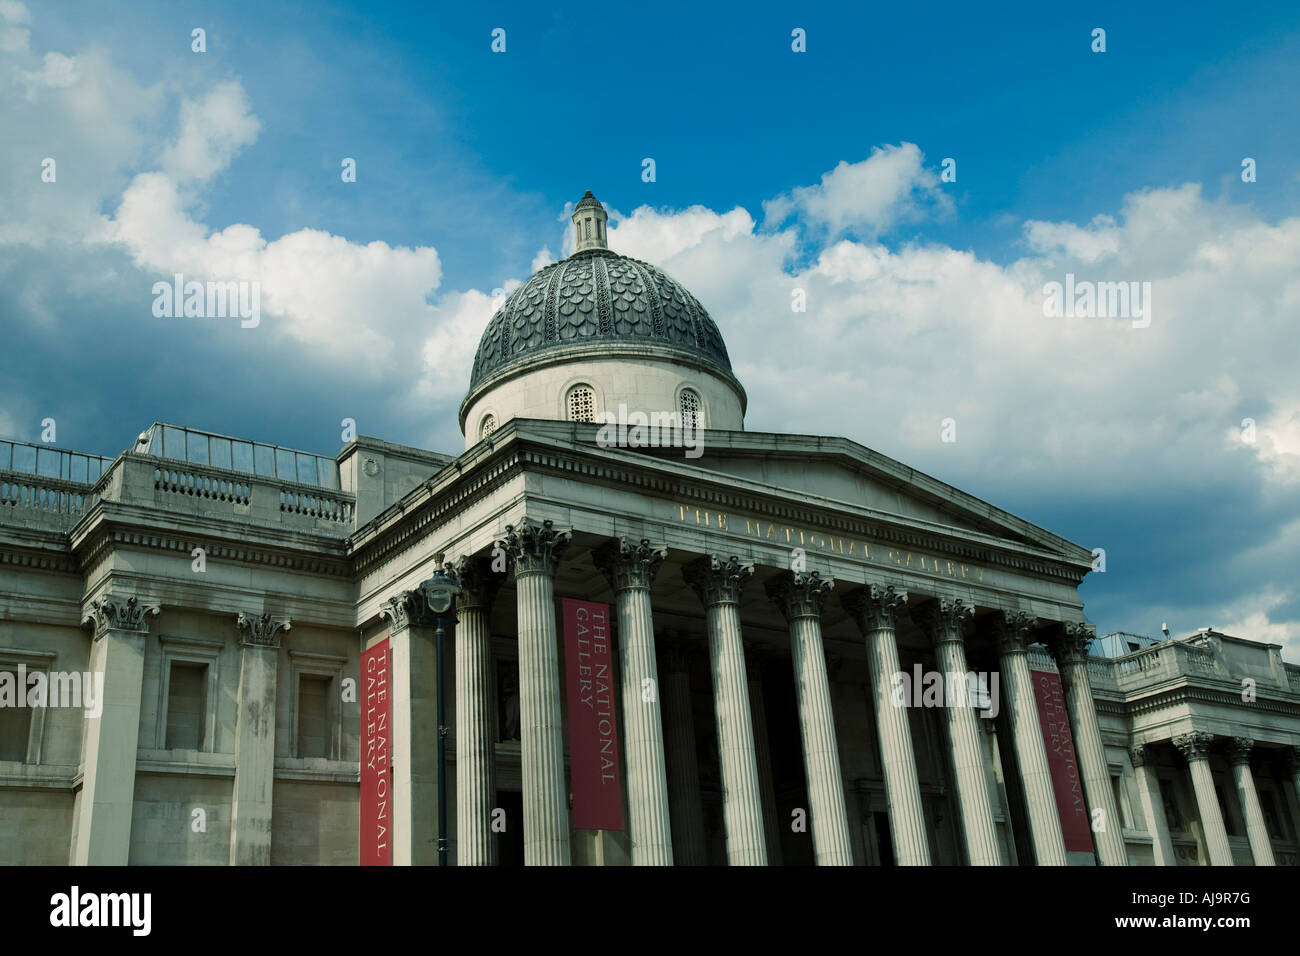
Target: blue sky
(1116, 165)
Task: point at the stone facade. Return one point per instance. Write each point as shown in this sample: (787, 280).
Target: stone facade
(202, 603)
(226, 733)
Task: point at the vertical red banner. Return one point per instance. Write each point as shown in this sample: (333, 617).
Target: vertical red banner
(1070, 803)
(593, 737)
(376, 844)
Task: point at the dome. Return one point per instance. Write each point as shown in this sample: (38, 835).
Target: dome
(596, 297)
(622, 329)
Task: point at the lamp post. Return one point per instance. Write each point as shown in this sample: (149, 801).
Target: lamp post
(439, 597)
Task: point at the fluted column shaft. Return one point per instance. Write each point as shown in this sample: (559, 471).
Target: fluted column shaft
(1070, 647)
(1195, 748)
(687, 815)
(1027, 733)
(630, 569)
(1153, 807)
(476, 844)
(800, 596)
(875, 608)
(945, 621)
(1261, 846)
(534, 551)
(719, 585)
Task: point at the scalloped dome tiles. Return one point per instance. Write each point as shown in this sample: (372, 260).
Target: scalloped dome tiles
(597, 296)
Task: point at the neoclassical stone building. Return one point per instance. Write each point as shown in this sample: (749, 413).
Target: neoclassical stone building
(765, 592)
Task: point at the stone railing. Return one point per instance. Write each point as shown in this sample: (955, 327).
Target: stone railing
(1167, 661)
(1293, 676)
(190, 488)
(1101, 674)
(36, 500)
(327, 506)
(182, 479)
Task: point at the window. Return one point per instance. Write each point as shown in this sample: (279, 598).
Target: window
(588, 228)
(1272, 819)
(582, 404)
(315, 723)
(690, 409)
(487, 426)
(186, 705)
(314, 736)
(15, 721)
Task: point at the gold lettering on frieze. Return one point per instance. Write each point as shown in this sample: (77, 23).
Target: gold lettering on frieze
(813, 539)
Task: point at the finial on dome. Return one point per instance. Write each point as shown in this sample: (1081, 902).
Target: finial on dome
(589, 220)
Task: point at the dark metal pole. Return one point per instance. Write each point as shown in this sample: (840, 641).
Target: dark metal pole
(442, 756)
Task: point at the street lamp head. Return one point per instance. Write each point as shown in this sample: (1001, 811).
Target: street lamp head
(440, 592)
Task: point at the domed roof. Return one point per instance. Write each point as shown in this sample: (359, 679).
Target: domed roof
(596, 297)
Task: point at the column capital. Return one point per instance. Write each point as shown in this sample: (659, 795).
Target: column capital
(1069, 641)
(116, 613)
(717, 581)
(261, 630)
(798, 593)
(628, 565)
(1239, 749)
(944, 620)
(1194, 746)
(1014, 631)
(479, 584)
(875, 606)
(401, 610)
(534, 548)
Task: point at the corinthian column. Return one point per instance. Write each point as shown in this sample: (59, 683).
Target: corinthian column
(875, 607)
(718, 584)
(413, 697)
(1261, 848)
(1153, 806)
(630, 570)
(1014, 635)
(945, 620)
(1195, 748)
(476, 845)
(799, 597)
(250, 806)
(1070, 648)
(687, 815)
(534, 551)
(111, 739)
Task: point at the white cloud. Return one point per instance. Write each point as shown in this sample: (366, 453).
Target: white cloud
(14, 36)
(212, 132)
(891, 186)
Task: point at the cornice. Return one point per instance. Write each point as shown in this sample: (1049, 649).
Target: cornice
(107, 538)
(432, 504)
(1191, 693)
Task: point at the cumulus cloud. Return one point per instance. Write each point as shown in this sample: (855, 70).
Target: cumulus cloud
(213, 130)
(894, 339)
(869, 197)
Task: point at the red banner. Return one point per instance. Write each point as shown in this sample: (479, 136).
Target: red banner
(1070, 803)
(593, 740)
(376, 820)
